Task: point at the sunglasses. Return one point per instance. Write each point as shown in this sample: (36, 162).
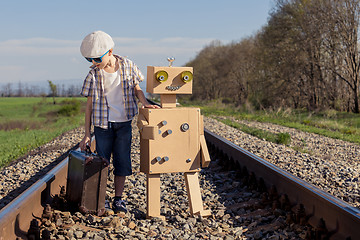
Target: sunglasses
(98, 59)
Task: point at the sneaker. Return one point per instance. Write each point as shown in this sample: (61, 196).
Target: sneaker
(107, 204)
(119, 206)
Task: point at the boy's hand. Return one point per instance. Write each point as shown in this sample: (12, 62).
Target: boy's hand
(84, 142)
(148, 105)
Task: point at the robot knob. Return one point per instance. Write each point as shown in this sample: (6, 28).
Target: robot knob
(184, 127)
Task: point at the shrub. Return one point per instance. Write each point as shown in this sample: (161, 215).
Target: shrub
(330, 114)
(70, 108)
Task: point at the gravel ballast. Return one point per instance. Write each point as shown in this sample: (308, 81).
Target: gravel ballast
(333, 167)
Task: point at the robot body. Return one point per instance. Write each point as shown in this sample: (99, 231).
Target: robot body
(172, 139)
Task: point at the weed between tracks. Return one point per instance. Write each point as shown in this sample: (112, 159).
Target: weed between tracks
(280, 138)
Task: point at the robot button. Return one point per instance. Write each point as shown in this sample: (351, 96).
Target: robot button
(184, 127)
(188, 160)
(166, 159)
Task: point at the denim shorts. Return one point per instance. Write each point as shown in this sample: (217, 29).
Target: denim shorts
(115, 140)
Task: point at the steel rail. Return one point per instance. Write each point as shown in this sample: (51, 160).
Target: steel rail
(15, 218)
(342, 220)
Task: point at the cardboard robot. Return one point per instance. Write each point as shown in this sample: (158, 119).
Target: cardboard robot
(172, 138)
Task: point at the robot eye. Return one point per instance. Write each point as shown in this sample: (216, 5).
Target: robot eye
(186, 76)
(161, 76)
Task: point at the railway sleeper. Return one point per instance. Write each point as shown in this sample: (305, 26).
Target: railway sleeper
(318, 228)
(280, 204)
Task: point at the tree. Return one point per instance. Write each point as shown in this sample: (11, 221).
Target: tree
(53, 90)
(307, 48)
(307, 56)
(347, 18)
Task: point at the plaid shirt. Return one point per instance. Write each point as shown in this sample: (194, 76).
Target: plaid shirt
(93, 86)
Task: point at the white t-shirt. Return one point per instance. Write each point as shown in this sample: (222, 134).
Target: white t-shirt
(115, 96)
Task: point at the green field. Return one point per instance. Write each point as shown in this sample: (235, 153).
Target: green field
(27, 123)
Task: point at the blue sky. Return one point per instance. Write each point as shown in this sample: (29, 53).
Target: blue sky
(40, 40)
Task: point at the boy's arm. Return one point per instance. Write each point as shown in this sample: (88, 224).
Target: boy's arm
(141, 96)
(87, 136)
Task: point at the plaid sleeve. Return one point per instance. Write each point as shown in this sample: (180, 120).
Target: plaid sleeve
(86, 90)
(137, 75)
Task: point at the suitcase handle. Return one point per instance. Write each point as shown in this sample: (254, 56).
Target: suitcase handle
(88, 150)
(89, 159)
(105, 162)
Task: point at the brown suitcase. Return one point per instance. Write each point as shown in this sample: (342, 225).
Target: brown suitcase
(86, 182)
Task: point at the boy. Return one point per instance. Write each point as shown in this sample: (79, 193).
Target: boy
(110, 87)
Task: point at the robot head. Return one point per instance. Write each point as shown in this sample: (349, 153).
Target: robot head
(169, 80)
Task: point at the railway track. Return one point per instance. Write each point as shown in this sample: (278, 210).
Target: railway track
(329, 217)
(339, 219)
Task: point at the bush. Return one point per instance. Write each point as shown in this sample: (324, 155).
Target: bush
(71, 108)
(330, 114)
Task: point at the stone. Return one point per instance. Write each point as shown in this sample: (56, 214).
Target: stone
(116, 223)
(131, 225)
(106, 221)
(78, 234)
(59, 222)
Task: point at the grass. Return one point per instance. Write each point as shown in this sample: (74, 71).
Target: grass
(27, 123)
(281, 138)
(333, 124)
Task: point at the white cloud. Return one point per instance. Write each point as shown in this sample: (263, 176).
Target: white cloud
(38, 47)
(47, 46)
(122, 40)
(39, 42)
(44, 58)
(183, 46)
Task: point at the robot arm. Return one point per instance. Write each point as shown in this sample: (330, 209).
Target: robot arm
(205, 157)
(146, 131)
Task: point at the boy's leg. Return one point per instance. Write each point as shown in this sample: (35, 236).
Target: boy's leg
(104, 142)
(121, 155)
(119, 182)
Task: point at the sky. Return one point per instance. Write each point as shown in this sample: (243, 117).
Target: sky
(40, 40)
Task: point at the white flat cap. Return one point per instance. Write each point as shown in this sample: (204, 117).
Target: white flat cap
(96, 44)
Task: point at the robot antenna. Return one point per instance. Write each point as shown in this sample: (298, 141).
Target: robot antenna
(170, 59)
